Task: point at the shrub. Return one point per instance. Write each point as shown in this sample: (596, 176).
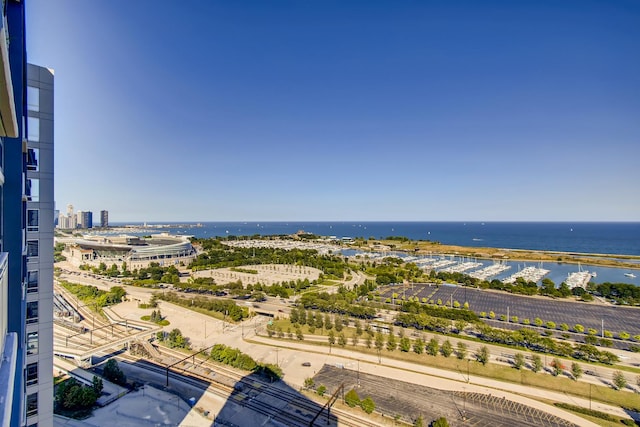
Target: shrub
(352, 399)
(367, 405)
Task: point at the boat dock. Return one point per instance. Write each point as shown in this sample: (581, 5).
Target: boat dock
(490, 271)
(578, 279)
(529, 274)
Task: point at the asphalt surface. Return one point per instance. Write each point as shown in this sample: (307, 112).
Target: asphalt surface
(589, 315)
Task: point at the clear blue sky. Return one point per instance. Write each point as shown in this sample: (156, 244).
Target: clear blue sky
(344, 110)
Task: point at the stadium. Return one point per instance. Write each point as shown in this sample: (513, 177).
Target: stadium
(136, 252)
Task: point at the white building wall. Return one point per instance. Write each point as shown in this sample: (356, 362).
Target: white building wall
(42, 79)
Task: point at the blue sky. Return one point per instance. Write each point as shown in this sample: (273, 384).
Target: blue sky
(344, 110)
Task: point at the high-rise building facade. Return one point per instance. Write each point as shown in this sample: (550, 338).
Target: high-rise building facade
(39, 274)
(104, 218)
(84, 219)
(26, 238)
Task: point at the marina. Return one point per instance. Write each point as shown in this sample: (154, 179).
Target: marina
(529, 274)
(490, 271)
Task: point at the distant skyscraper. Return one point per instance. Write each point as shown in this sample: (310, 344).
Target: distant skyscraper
(70, 220)
(85, 219)
(104, 218)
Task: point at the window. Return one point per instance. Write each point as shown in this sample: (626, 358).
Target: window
(32, 343)
(32, 190)
(32, 312)
(32, 219)
(32, 373)
(33, 98)
(32, 404)
(32, 248)
(33, 129)
(32, 281)
(33, 155)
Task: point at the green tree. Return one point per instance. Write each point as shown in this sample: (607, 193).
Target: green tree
(113, 373)
(321, 390)
(328, 324)
(459, 325)
(331, 338)
(419, 422)
(551, 325)
(538, 322)
(440, 422)
(392, 344)
(338, 324)
(576, 371)
(518, 361)
(342, 340)
(352, 399)
(433, 347)
(97, 385)
(379, 343)
(446, 349)
(461, 350)
(482, 355)
(358, 327)
(367, 405)
(624, 335)
(536, 363)
(578, 328)
(299, 334)
(354, 340)
(418, 346)
(405, 344)
(619, 381)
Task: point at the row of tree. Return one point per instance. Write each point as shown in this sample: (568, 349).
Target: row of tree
(94, 297)
(226, 306)
(233, 357)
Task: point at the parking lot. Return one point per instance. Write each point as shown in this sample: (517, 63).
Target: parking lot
(590, 315)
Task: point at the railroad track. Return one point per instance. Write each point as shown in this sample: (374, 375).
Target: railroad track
(250, 393)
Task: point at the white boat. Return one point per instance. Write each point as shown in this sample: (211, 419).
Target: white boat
(630, 275)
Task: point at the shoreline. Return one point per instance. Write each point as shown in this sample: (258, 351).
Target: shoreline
(507, 254)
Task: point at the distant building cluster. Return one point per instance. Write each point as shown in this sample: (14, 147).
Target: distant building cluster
(80, 219)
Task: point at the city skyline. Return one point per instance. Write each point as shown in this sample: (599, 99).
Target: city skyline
(222, 111)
